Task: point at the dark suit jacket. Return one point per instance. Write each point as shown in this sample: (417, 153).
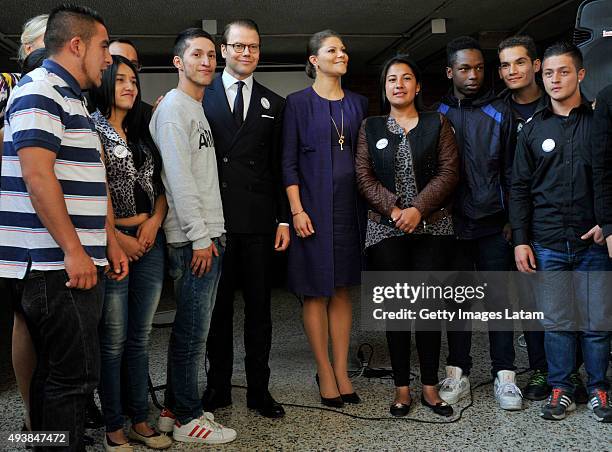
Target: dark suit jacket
(249, 159)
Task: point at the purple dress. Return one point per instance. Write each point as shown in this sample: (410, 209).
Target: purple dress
(347, 260)
(312, 159)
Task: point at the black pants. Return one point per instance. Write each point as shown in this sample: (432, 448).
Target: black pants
(247, 264)
(413, 253)
(490, 253)
(64, 328)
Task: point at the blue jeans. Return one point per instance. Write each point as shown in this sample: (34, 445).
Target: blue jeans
(129, 307)
(195, 300)
(559, 339)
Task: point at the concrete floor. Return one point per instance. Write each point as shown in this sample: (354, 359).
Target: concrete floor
(483, 425)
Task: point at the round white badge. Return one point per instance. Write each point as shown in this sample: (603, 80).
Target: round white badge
(548, 145)
(120, 151)
(382, 143)
(265, 103)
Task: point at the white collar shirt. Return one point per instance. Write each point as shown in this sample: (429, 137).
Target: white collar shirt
(231, 89)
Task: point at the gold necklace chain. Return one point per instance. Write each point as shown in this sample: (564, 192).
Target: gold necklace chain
(339, 132)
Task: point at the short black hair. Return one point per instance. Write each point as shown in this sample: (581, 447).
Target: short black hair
(525, 41)
(128, 42)
(460, 43)
(399, 59)
(33, 60)
(67, 21)
(563, 48)
(246, 23)
(182, 39)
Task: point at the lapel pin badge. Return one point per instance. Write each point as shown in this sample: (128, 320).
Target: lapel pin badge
(265, 103)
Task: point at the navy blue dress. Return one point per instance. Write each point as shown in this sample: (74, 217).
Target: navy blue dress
(325, 175)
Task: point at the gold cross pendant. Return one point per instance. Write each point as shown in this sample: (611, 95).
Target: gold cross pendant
(341, 142)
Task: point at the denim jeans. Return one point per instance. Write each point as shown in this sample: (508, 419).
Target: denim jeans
(129, 307)
(491, 254)
(63, 323)
(195, 300)
(560, 343)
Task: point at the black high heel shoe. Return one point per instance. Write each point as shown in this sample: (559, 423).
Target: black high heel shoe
(352, 398)
(440, 408)
(333, 402)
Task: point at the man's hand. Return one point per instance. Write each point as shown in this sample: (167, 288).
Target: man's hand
(201, 260)
(609, 242)
(131, 246)
(524, 258)
(597, 234)
(118, 260)
(282, 238)
(408, 220)
(82, 273)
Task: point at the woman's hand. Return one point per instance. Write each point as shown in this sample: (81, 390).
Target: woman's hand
(303, 225)
(408, 220)
(132, 247)
(147, 232)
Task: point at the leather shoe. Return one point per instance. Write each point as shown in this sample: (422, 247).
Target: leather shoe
(352, 398)
(440, 408)
(213, 399)
(267, 406)
(400, 409)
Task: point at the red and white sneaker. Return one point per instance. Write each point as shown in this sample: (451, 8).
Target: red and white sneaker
(203, 430)
(166, 421)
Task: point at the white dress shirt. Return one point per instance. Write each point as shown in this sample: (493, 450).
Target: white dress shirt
(231, 89)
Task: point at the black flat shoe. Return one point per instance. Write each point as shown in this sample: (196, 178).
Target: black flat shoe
(352, 398)
(400, 409)
(440, 408)
(335, 402)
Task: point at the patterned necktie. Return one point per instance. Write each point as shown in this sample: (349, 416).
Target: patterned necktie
(239, 105)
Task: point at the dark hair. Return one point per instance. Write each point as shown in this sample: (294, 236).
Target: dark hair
(457, 44)
(399, 59)
(33, 60)
(182, 40)
(103, 98)
(563, 48)
(525, 41)
(314, 45)
(246, 23)
(126, 41)
(67, 21)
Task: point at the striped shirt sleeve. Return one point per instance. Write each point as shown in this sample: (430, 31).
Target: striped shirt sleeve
(35, 118)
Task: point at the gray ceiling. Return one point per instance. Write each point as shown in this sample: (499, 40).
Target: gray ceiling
(372, 29)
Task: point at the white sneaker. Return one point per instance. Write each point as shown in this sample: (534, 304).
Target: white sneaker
(203, 430)
(166, 421)
(508, 395)
(455, 386)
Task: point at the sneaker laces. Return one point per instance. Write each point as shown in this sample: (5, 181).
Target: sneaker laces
(509, 388)
(205, 421)
(449, 382)
(555, 395)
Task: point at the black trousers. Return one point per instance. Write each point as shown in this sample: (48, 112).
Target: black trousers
(63, 323)
(413, 253)
(247, 264)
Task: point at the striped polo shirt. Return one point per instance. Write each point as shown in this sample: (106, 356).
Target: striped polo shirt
(47, 110)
